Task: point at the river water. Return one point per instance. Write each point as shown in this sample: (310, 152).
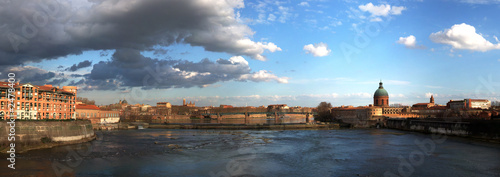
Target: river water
(345, 152)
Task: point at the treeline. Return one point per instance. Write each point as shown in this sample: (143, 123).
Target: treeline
(85, 100)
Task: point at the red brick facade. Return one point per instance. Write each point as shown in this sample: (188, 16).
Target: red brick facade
(38, 102)
(381, 100)
(94, 113)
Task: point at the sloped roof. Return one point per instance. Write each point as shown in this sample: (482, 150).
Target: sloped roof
(86, 106)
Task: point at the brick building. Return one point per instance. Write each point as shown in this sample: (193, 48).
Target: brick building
(381, 97)
(39, 102)
(96, 115)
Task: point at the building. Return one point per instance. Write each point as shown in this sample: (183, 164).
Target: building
(163, 110)
(469, 104)
(478, 103)
(381, 97)
(145, 108)
(96, 115)
(363, 116)
(372, 115)
(184, 103)
(163, 105)
(277, 108)
(223, 106)
(421, 106)
(39, 102)
(456, 104)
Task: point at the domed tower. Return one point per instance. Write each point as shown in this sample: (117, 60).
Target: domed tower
(381, 97)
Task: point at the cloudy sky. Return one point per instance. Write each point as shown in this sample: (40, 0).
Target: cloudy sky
(255, 52)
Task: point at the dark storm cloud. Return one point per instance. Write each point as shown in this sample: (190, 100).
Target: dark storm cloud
(80, 82)
(129, 68)
(30, 74)
(34, 30)
(56, 82)
(79, 75)
(80, 65)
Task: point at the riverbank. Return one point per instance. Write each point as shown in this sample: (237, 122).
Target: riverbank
(37, 134)
(486, 130)
(247, 126)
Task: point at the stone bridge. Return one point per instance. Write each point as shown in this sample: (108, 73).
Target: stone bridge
(276, 115)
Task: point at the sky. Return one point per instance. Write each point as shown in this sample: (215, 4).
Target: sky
(253, 53)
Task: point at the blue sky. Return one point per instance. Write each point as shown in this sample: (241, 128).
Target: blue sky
(257, 52)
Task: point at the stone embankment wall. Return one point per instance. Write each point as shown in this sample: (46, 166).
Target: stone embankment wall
(484, 129)
(39, 132)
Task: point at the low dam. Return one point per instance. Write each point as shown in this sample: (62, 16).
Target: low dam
(41, 134)
(482, 129)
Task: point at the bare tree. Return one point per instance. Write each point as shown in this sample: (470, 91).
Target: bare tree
(324, 111)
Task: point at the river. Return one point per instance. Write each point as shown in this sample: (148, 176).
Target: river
(344, 152)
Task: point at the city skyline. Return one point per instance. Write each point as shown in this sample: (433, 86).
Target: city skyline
(256, 52)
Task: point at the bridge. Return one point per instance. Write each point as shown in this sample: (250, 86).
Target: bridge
(276, 115)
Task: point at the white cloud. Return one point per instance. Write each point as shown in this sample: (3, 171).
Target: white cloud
(318, 50)
(284, 14)
(410, 42)
(380, 10)
(428, 95)
(238, 59)
(264, 76)
(383, 10)
(271, 17)
(397, 96)
(463, 36)
(359, 95)
(376, 19)
(396, 10)
(306, 4)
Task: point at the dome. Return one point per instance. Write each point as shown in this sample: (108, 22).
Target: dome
(381, 91)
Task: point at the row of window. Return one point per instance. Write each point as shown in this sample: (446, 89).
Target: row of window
(31, 115)
(83, 114)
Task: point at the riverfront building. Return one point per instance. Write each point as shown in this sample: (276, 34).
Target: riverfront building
(365, 116)
(96, 115)
(39, 102)
(381, 97)
(469, 104)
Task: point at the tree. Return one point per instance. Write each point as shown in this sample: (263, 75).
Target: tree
(324, 111)
(85, 101)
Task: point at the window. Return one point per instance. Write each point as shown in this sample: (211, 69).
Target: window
(382, 101)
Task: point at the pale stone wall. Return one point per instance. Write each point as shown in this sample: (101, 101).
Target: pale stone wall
(32, 132)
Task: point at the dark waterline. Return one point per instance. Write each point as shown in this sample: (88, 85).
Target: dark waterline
(160, 152)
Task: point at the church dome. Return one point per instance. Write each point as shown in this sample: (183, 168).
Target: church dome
(381, 91)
